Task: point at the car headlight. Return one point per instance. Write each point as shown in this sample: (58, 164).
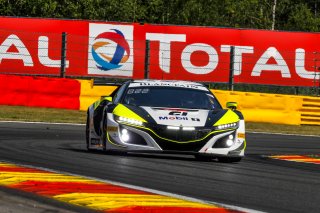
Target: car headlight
(225, 142)
(129, 137)
(129, 121)
(230, 141)
(124, 135)
(227, 126)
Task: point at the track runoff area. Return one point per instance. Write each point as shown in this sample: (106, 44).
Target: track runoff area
(111, 196)
(101, 195)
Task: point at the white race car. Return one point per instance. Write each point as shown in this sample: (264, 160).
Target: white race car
(166, 117)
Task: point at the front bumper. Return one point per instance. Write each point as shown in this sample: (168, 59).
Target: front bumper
(202, 140)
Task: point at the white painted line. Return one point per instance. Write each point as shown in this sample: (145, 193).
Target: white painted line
(232, 207)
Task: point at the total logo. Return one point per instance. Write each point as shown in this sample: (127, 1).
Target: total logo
(110, 50)
(120, 55)
(262, 65)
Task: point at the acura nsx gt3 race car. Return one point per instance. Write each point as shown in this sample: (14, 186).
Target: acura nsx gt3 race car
(166, 117)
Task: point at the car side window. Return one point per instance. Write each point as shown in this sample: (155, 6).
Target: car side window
(119, 94)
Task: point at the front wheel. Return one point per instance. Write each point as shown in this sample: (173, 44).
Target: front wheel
(104, 141)
(104, 134)
(229, 159)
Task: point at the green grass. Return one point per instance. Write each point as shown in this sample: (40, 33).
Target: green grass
(281, 128)
(19, 113)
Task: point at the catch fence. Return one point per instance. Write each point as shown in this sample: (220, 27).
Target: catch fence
(233, 59)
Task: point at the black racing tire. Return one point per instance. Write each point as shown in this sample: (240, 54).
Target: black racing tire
(104, 141)
(87, 133)
(203, 157)
(103, 134)
(229, 159)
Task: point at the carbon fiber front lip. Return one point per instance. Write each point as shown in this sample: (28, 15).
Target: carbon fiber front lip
(179, 152)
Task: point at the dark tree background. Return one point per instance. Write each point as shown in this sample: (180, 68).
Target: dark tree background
(293, 15)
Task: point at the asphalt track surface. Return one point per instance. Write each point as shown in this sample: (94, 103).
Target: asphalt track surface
(257, 182)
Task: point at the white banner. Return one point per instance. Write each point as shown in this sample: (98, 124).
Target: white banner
(110, 50)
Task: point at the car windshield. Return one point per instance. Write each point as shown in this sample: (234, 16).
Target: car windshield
(171, 97)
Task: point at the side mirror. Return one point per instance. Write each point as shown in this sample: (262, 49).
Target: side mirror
(232, 105)
(107, 98)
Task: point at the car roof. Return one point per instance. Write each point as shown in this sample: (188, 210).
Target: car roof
(168, 83)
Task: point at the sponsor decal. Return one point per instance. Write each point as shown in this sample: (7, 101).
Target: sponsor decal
(178, 113)
(170, 84)
(112, 129)
(110, 50)
(179, 118)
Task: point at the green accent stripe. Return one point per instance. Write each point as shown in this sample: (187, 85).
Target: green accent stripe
(115, 144)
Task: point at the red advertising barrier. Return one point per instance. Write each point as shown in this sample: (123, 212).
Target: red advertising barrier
(176, 52)
(39, 92)
(33, 46)
(261, 57)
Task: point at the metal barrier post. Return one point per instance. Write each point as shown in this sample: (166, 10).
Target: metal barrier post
(231, 73)
(317, 70)
(147, 60)
(63, 55)
(319, 81)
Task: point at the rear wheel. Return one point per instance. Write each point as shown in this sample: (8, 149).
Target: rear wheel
(229, 159)
(87, 133)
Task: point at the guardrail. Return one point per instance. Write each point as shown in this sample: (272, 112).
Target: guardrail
(39, 92)
(256, 107)
(79, 94)
(274, 108)
(310, 111)
(261, 107)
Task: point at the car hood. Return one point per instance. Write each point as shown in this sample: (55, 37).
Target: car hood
(178, 117)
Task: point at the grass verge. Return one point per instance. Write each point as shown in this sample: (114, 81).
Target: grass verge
(20, 113)
(282, 128)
